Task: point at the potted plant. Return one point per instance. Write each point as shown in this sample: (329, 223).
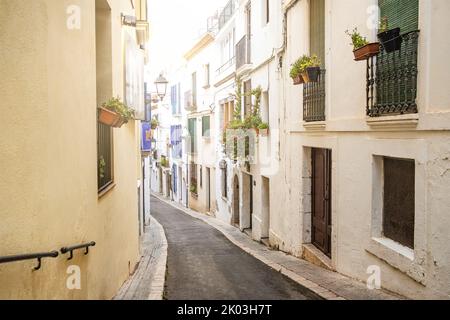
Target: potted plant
(296, 73)
(264, 129)
(362, 49)
(389, 39)
(193, 189)
(154, 124)
(114, 113)
(310, 68)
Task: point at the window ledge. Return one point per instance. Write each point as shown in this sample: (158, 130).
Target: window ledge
(399, 122)
(105, 191)
(315, 126)
(398, 256)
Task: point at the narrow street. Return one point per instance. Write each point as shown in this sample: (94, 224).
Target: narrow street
(204, 265)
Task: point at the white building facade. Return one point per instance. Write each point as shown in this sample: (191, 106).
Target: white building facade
(352, 174)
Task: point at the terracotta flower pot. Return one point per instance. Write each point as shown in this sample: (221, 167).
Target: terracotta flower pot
(298, 80)
(369, 50)
(110, 118)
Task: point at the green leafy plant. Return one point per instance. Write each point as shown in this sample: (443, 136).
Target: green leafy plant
(296, 69)
(164, 162)
(358, 41)
(116, 105)
(303, 63)
(101, 167)
(193, 188)
(384, 25)
(263, 126)
(154, 123)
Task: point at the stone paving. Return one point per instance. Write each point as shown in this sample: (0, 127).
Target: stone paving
(147, 282)
(327, 284)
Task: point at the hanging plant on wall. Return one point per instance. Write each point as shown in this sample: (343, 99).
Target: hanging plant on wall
(114, 113)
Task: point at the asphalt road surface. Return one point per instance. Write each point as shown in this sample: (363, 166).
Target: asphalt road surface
(203, 264)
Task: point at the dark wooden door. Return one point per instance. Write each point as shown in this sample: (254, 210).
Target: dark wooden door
(321, 200)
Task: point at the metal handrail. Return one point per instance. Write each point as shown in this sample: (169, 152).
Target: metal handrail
(71, 249)
(31, 256)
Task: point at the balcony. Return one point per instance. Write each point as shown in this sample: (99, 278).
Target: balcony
(392, 79)
(227, 65)
(189, 104)
(226, 14)
(243, 53)
(314, 99)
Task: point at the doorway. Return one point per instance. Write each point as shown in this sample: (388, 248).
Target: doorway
(321, 200)
(265, 208)
(236, 205)
(247, 202)
(208, 190)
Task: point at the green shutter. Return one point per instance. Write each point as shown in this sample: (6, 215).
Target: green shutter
(403, 14)
(317, 29)
(192, 127)
(206, 126)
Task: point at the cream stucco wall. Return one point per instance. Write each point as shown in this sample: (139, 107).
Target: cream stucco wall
(48, 185)
(356, 144)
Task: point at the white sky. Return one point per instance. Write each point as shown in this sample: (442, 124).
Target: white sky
(174, 27)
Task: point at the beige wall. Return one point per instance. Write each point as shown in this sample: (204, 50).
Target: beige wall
(48, 185)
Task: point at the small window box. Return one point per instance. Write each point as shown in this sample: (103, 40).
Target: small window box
(367, 51)
(110, 118)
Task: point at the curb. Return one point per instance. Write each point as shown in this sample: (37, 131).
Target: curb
(310, 285)
(159, 278)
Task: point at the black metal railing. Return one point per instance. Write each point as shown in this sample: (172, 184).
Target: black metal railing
(314, 99)
(225, 66)
(242, 56)
(71, 249)
(31, 256)
(392, 79)
(226, 14)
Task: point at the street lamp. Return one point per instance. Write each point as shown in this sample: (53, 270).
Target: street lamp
(161, 86)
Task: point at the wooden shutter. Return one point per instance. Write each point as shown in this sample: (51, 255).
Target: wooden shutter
(317, 28)
(403, 14)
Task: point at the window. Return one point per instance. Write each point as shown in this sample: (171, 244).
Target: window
(206, 126)
(265, 110)
(105, 155)
(228, 110)
(399, 200)
(174, 99)
(193, 180)
(176, 141)
(265, 12)
(223, 168)
(192, 127)
(247, 97)
(207, 76)
(314, 93)
(392, 76)
(194, 89)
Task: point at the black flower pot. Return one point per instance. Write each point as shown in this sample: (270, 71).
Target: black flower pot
(313, 73)
(391, 40)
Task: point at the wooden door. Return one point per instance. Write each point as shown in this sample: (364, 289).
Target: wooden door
(321, 200)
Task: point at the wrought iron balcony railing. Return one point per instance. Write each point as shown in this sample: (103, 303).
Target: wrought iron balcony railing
(392, 79)
(226, 14)
(314, 99)
(243, 52)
